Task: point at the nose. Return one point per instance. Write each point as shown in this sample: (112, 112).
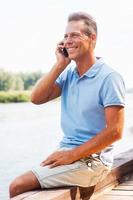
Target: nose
(68, 40)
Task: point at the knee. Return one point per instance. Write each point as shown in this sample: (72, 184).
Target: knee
(15, 187)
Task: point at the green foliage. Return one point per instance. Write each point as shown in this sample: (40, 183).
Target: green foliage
(6, 80)
(15, 87)
(14, 96)
(17, 83)
(29, 79)
(20, 81)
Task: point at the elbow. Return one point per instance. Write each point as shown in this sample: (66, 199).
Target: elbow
(38, 98)
(118, 136)
(117, 133)
(35, 100)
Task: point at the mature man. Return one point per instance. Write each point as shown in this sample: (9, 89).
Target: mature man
(92, 116)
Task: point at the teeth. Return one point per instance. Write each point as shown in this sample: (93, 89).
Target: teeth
(70, 48)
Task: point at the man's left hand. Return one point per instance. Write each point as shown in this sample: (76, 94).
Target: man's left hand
(59, 158)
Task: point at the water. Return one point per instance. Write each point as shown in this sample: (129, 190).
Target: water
(28, 133)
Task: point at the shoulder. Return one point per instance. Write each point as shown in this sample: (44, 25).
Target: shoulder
(110, 73)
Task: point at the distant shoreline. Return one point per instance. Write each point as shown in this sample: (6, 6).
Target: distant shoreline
(21, 96)
(17, 96)
(14, 96)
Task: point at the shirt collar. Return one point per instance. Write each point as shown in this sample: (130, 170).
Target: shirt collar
(94, 69)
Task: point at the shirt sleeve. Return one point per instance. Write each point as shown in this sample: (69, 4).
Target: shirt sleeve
(113, 90)
(62, 78)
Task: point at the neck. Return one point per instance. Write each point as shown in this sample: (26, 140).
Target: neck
(85, 63)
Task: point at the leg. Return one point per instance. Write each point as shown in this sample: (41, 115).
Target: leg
(24, 183)
(84, 173)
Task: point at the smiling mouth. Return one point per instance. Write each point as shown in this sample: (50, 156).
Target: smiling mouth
(71, 49)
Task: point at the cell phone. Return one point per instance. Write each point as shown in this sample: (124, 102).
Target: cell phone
(65, 53)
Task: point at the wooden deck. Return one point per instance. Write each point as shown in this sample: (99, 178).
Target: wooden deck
(124, 191)
(118, 185)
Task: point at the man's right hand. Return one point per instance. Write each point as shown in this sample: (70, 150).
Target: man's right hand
(62, 60)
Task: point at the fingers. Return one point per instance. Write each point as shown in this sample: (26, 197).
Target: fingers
(57, 159)
(51, 163)
(60, 45)
(50, 159)
(46, 162)
(55, 164)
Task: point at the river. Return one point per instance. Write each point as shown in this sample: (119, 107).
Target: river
(28, 133)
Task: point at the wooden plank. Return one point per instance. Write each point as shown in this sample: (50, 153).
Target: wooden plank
(48, 195)
(117, 195)
(128, 177)
(124, 187)
(106, 197)
(127, 183)
(25, 195)
(56, 194)
(121, 192)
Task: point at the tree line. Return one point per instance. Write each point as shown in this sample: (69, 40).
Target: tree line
(18, 81)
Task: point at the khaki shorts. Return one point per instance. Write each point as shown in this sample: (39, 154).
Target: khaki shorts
(85, 172)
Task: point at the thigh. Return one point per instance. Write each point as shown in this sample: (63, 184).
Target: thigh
(83, 173)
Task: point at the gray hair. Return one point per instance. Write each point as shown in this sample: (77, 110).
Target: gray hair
(89, 21)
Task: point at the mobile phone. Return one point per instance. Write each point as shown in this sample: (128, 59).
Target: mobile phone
(65, 53)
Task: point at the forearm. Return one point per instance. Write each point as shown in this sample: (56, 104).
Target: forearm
(44, 86)
(102, 140)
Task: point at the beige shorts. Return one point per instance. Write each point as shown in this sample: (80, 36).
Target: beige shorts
(85, 172)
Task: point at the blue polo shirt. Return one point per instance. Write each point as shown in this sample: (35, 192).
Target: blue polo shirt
(83, 100)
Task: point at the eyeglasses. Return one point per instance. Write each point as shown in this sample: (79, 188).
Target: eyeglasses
(75, 35)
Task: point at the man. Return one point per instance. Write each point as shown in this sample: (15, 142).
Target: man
(92, 116)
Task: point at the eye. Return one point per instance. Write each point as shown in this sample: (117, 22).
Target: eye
(65, 36)
(75, 35)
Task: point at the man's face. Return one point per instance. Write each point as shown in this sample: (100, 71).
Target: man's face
(76, 41)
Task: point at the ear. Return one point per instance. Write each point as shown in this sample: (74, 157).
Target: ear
(92, 42)
(93, 37)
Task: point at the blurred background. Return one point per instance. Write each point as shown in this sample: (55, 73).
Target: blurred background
(29, 32)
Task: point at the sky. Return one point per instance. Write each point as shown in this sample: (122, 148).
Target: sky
(30, 30)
